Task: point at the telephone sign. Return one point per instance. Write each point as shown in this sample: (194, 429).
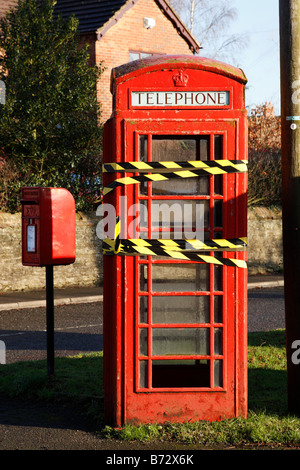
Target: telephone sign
(182, 98)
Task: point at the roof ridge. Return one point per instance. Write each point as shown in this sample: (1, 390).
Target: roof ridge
(97, 16)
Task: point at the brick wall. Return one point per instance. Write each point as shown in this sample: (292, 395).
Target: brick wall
(129, 34)
(264, 252)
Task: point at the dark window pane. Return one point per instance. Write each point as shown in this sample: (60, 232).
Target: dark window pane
(143, 307)
(143, 338)
(218, 213)
(172, 374)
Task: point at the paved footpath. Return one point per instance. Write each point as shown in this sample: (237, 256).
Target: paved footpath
(31, 299)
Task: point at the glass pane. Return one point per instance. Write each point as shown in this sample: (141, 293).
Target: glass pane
(143, 309)
(180, 277)
(218, 340)
(181, 186)
(218, 277)
(218, 373)
(180, 341)
(172, 374)
(143, 277)
(218, 147)
(218, 184)
(218, 309)
(179, 219)
(143, 337)
(143, 148)
(218, 235)
(142, 221)
(180, 309)
(218, 213)
(174, 149)
(204, 147)
(206, 214)
(143, 374)
(218, 155)
(133, 56)
(203, 186)
(143, 156)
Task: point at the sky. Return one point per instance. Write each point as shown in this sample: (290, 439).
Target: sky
(259, 59)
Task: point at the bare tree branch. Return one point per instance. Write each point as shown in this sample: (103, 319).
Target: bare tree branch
(209, 21)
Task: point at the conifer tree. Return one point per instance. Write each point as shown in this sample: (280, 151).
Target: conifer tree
(50, 132)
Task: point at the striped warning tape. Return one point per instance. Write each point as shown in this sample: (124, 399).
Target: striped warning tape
(165, 252)
(215, 167)
(228, 166)
(234, 244)
(177, 248)
(116, 240)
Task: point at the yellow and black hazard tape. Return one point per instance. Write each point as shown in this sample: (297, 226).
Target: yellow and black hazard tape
(228, 166)
(176, 248)
(168, 252)
(234, 244)
(213, 167)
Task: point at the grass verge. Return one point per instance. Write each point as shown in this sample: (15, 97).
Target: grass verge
(78, 380)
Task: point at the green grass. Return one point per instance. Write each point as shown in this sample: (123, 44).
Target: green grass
(79, 380)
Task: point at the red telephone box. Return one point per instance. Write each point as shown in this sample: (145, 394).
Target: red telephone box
(175, 326)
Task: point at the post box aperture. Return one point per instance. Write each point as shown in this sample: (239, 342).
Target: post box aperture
(175, 310)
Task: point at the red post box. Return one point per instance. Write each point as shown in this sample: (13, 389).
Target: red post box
(48, 227)
(175, 291)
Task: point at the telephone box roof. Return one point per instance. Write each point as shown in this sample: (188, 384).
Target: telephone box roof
(151, 64)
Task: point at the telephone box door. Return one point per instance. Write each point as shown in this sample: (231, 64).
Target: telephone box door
(184, 322)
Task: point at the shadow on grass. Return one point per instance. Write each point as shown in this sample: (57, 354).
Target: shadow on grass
(267, 391)
(267, 377)
(77, 383)
(79, 380)
(267, 338)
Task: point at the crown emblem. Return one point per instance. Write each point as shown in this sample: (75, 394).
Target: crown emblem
(180, 79)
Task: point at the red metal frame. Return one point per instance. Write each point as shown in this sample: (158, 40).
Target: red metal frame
(126, 400)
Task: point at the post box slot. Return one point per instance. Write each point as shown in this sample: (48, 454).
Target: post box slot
(28, 201)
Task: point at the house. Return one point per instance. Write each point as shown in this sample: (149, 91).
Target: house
(119, 31)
